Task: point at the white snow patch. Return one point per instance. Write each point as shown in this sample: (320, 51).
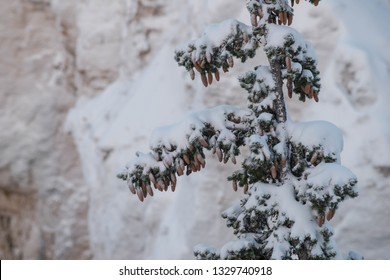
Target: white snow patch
(317, 133)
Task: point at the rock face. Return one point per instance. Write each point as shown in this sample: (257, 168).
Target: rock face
(52, 53)
(43, 199)
(83, 84)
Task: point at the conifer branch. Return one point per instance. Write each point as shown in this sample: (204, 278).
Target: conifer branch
(208, 55)
(180, 149)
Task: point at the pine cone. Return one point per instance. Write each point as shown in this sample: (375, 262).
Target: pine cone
(330, 214)
(234, 185)
(246, 187)
(217, 75)
(192, 74)
(209, 78)
(140, 194)
(149, 190)
(131, 187)
(204, 80)
(321, 220)
(290, 18)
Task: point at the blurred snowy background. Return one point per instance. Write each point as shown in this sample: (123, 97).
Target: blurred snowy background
(84, 83)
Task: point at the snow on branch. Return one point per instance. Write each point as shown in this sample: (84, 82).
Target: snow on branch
(179, 148)
(272, 213)
(315, 158)
(245, 247)
(261, 87)
(317, 135)
(324, 187)
(205, 252)
(259, 164)
(298, 59)
(273, 11)
(216, 48)
(266, 11)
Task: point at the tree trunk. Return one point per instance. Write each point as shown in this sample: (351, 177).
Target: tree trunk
(280, 106)
(281, 116)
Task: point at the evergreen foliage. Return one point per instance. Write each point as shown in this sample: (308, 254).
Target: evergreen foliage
(292, 176)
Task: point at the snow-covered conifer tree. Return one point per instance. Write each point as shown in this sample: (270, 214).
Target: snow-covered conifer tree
(292, 176)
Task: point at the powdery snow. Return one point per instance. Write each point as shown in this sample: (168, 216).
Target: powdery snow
(182, 133)
(283, 196)
(330, 174)
(277, 36)
(246, 242)
(317, 133)
(215, 34)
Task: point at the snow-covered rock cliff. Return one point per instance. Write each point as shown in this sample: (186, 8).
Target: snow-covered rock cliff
(84, 83)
